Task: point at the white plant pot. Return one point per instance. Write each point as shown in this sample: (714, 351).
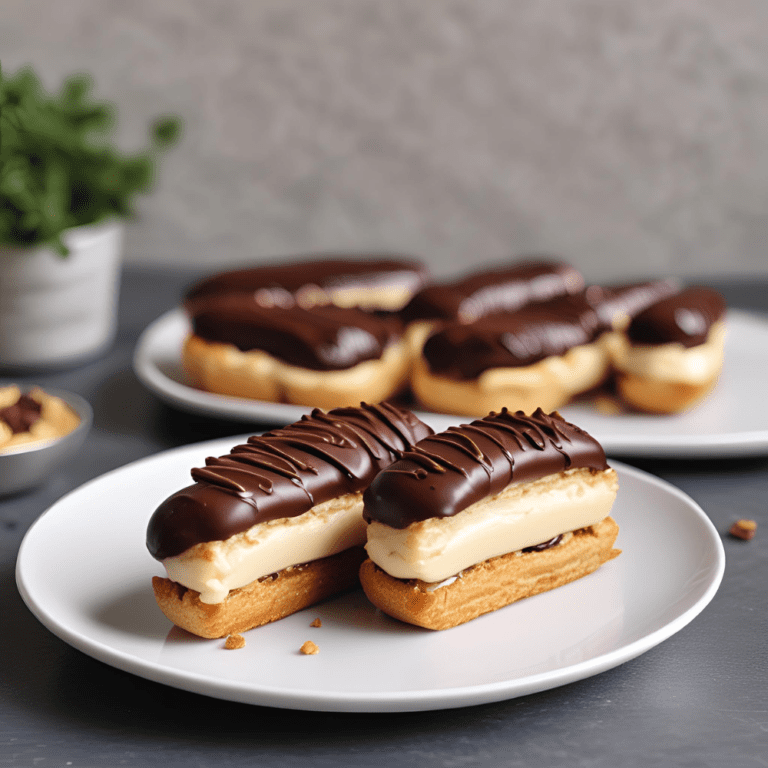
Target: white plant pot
(57, 311)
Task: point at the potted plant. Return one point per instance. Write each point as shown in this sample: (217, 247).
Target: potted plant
(64, 192)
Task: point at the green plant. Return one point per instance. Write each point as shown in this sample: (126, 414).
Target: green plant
(58, 167)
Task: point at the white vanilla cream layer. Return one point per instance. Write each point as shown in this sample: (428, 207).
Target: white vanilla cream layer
(522, 515)
(216, 567)
(672, 362)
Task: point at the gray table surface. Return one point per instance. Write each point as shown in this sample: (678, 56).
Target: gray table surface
(698, 699)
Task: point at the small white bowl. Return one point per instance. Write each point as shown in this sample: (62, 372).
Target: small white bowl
(27, 466)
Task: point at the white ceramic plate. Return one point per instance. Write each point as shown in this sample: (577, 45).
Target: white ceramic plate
(732, 421)
(95, 594)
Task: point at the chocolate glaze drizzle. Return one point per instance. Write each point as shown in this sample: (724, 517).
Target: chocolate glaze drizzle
(444, 474)
(498, 290)
(685, 318)
(512, 340)
(283, 473)
(326, 338)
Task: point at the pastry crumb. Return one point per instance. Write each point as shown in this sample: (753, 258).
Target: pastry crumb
(316, 623)
(743, 529)
(234, 642)
(309, 648)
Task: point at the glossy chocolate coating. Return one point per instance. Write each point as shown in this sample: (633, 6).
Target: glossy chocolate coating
(283, 473)
(299, 281)
(22, 414)
(615, 302)
(492, 291)
(325, 338)
(685, 318)
(446, 473)
(512, 340)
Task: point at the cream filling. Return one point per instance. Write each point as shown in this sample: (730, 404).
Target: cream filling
(522, 515)
(672, 362)
(216, 567)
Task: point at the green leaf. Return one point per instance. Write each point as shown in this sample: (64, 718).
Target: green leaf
(58, 164)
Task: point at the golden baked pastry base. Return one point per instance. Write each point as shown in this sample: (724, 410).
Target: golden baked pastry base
(261, 601)
(492, 584)
(548, 384)
(224, 370)
(663, 397)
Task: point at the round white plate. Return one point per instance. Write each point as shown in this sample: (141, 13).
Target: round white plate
(95, 594)
(732, 421)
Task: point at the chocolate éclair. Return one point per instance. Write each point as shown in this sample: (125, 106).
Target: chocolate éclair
(539, 356)
(323, 356)
(503, 289)
(672, 353)
(275, 525)
(486, 513)
(371, 282)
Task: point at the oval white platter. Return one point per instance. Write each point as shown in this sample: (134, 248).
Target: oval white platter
(732, 421)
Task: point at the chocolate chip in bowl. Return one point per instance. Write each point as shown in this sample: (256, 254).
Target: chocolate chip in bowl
(39, 430)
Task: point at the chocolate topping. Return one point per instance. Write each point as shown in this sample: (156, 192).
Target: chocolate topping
(22, 414)
(283, 473)
(325, 338)
(685, 318)
(498, 290)
(311, 282)
(616, 302)
(446, 473)
(512, 340)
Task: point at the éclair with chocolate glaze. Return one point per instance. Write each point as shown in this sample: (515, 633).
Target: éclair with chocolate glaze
(685, 318)
(283, 473)
(276, 525)
(372, 282)
(446, 473)
(485, 514)
(673, 352)
(322, 338)
(539, 356)
(321, 356)
(504, 289)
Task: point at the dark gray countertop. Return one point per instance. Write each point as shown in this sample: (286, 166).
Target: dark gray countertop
(698, 699)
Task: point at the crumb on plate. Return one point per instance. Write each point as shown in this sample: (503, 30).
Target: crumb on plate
(743, 529)
(234, 642)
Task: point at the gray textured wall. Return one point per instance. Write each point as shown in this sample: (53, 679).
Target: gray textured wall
(627, 137)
